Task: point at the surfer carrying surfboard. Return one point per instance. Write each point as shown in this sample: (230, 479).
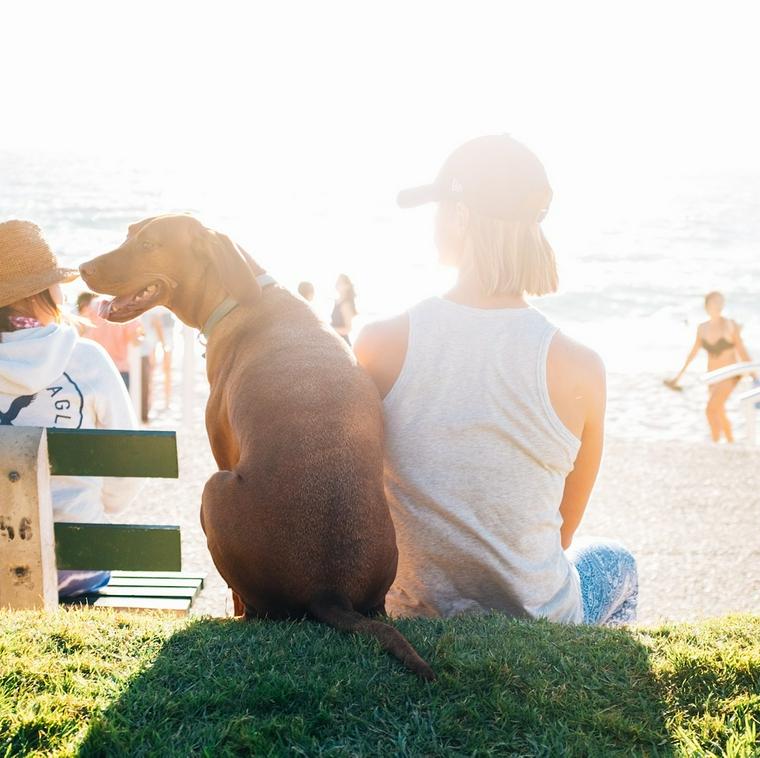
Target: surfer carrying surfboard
(721, 338)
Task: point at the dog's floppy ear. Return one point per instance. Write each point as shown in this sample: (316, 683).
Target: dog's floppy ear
(230, 263)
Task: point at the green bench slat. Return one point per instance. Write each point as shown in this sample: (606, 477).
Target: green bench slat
(158, 575)
(134, 582)
(117, 546)
(181, 606)
(109, 591)
(111, 452)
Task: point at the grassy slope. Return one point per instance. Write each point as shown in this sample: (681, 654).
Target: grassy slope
(101, 684)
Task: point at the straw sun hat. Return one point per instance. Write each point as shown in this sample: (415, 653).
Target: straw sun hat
(27, 264)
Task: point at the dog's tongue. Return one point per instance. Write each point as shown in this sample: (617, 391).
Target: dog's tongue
(109, 308)
(104, 308)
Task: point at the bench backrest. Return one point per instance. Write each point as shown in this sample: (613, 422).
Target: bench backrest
(111, 452)
(32, 547)
(117, 547)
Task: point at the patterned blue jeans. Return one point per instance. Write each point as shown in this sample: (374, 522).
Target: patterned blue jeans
(609, 582)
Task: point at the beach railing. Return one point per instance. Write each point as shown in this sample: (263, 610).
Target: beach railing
(188, 375)
(135, 378)
(747, 400)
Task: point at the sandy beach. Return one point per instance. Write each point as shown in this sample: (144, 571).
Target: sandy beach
(687, 510)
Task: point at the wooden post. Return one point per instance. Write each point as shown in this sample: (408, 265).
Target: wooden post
(135, 378)
(28, 578)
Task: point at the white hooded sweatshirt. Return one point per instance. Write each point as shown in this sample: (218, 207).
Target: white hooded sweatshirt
(50, 377)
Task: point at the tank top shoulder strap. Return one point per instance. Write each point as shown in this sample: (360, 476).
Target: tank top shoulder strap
(420, 321)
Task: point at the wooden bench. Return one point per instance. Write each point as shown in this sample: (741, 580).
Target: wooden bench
(145, 561)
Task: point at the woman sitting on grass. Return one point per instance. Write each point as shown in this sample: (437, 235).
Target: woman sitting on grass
(49, 377)
(494, 418)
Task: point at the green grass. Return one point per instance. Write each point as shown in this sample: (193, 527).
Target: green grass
(94, 683)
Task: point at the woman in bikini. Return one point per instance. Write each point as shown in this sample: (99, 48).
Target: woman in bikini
(721, 338)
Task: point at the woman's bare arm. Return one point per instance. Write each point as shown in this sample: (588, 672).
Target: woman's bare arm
(380, 349)
(581, 479)
(741, 350)
(689, 358)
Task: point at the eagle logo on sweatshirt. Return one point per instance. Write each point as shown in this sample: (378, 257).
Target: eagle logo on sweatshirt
(7, 417)
(58, 406)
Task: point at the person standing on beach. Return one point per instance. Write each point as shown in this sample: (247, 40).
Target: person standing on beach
(306, 291)
(116, 339)
(344, 310)
(50, 377)
(722, 340)
(494, 418)
(158, 327)
(166, 340)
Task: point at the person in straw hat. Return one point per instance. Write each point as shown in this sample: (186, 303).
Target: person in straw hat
(50, 377)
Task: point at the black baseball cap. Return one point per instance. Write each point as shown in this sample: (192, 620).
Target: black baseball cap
(494, 175)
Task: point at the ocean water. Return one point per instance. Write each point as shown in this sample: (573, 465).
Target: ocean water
(635, 258)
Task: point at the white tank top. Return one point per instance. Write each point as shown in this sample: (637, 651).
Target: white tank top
(476, 461)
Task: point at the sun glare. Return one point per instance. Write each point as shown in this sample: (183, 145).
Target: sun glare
(243, 372)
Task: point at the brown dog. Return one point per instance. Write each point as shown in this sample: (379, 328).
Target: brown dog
(296, 518)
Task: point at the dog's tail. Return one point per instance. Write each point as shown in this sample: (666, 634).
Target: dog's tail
(336, 610)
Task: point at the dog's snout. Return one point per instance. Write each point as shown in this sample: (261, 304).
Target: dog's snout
(86, 270)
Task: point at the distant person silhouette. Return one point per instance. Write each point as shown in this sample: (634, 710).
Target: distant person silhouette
(159, 331)
(306, 291)
(344, 310)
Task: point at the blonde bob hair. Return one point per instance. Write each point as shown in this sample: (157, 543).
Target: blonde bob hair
(509, 257)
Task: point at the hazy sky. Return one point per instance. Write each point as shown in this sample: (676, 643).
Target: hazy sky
(336, 87)
(292, 126)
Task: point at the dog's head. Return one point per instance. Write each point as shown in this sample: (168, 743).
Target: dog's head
(171, 260)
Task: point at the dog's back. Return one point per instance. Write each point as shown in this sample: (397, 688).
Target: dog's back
(308, 425)
(301, 525)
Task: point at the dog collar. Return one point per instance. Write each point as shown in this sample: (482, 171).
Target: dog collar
(225, 307)
(264, 280)
(229, 304)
